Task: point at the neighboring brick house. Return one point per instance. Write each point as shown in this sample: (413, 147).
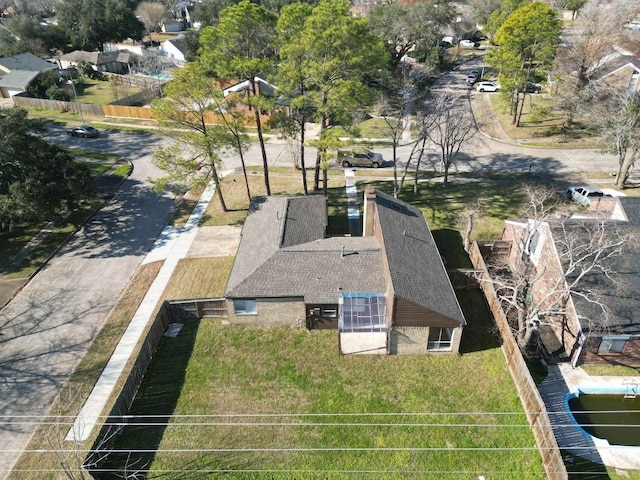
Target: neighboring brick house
(386, 292)
(585, 335)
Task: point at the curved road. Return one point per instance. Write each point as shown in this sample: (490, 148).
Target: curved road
(46, 329)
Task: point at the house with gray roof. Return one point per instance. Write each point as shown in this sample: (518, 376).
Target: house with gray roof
(386, 291)
(18, 71)
(620, 69)
(113, 61)
(599, 323)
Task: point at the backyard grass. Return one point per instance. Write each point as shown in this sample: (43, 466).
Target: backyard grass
(282, 403)
(100, 92)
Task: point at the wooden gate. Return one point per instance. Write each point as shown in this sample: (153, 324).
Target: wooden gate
(198, 308)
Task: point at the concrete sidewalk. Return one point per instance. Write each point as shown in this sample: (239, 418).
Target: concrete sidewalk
(171, 246)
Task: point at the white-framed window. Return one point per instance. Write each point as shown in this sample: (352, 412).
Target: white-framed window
(612, 344)
(329, 312)
(440, 338)
(246, 306)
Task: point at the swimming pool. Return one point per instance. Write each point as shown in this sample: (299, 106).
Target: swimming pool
(611, 414)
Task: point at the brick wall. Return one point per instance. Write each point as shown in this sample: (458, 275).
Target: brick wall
(413, 340)
(546, 260)
(271, 311)
(630, 354)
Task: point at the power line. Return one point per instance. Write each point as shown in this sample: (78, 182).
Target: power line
(309, 449)
(337, 414)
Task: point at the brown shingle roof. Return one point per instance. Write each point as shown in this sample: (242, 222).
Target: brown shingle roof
(415, 265)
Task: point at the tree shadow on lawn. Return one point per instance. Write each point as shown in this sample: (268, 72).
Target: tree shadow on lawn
(154, 403)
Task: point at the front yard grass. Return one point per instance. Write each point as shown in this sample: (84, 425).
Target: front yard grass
(540, 125)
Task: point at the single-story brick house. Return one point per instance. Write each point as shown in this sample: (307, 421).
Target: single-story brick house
(586, 334)
(386, 292)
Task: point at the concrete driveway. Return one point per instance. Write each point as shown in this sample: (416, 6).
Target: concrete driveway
(46, 329)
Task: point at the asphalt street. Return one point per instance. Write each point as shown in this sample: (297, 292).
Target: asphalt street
(47, 328)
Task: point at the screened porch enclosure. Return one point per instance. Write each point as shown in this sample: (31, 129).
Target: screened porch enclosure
(362, 312)
(362, 323)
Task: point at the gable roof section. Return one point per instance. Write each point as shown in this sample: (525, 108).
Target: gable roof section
(25, 62)
(620, 298)
(179, 43)
(415, 266)
(318, 271)
(18, 79)
(100, 58)
(265, 87)
(270, 221)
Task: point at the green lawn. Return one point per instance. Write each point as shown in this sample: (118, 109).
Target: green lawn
(394, 417)
(100, 92)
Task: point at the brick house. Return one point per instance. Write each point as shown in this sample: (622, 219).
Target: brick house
(586, 334)
(386, 292)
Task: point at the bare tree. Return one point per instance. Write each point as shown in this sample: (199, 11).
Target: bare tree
(395, 109)
(151, 14)
(593, 35)
(467, 217)
(535, 289)
(617, 118)
(449, 126)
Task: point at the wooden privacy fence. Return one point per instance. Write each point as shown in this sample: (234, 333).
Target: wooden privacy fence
(58, 105)
(125, 111)
(529, 396)
(120, 111)
(464, 278)
(122, 404)
(198, 308)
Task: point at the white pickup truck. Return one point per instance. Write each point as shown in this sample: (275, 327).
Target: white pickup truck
(583, 195)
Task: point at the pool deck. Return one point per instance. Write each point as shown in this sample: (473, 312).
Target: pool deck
(563, 379)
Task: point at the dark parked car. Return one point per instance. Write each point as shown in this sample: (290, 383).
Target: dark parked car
(532, 87)
(85, 131)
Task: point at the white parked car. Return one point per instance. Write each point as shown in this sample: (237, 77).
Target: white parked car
(583, 194)
(487, 87)
(467, 43)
